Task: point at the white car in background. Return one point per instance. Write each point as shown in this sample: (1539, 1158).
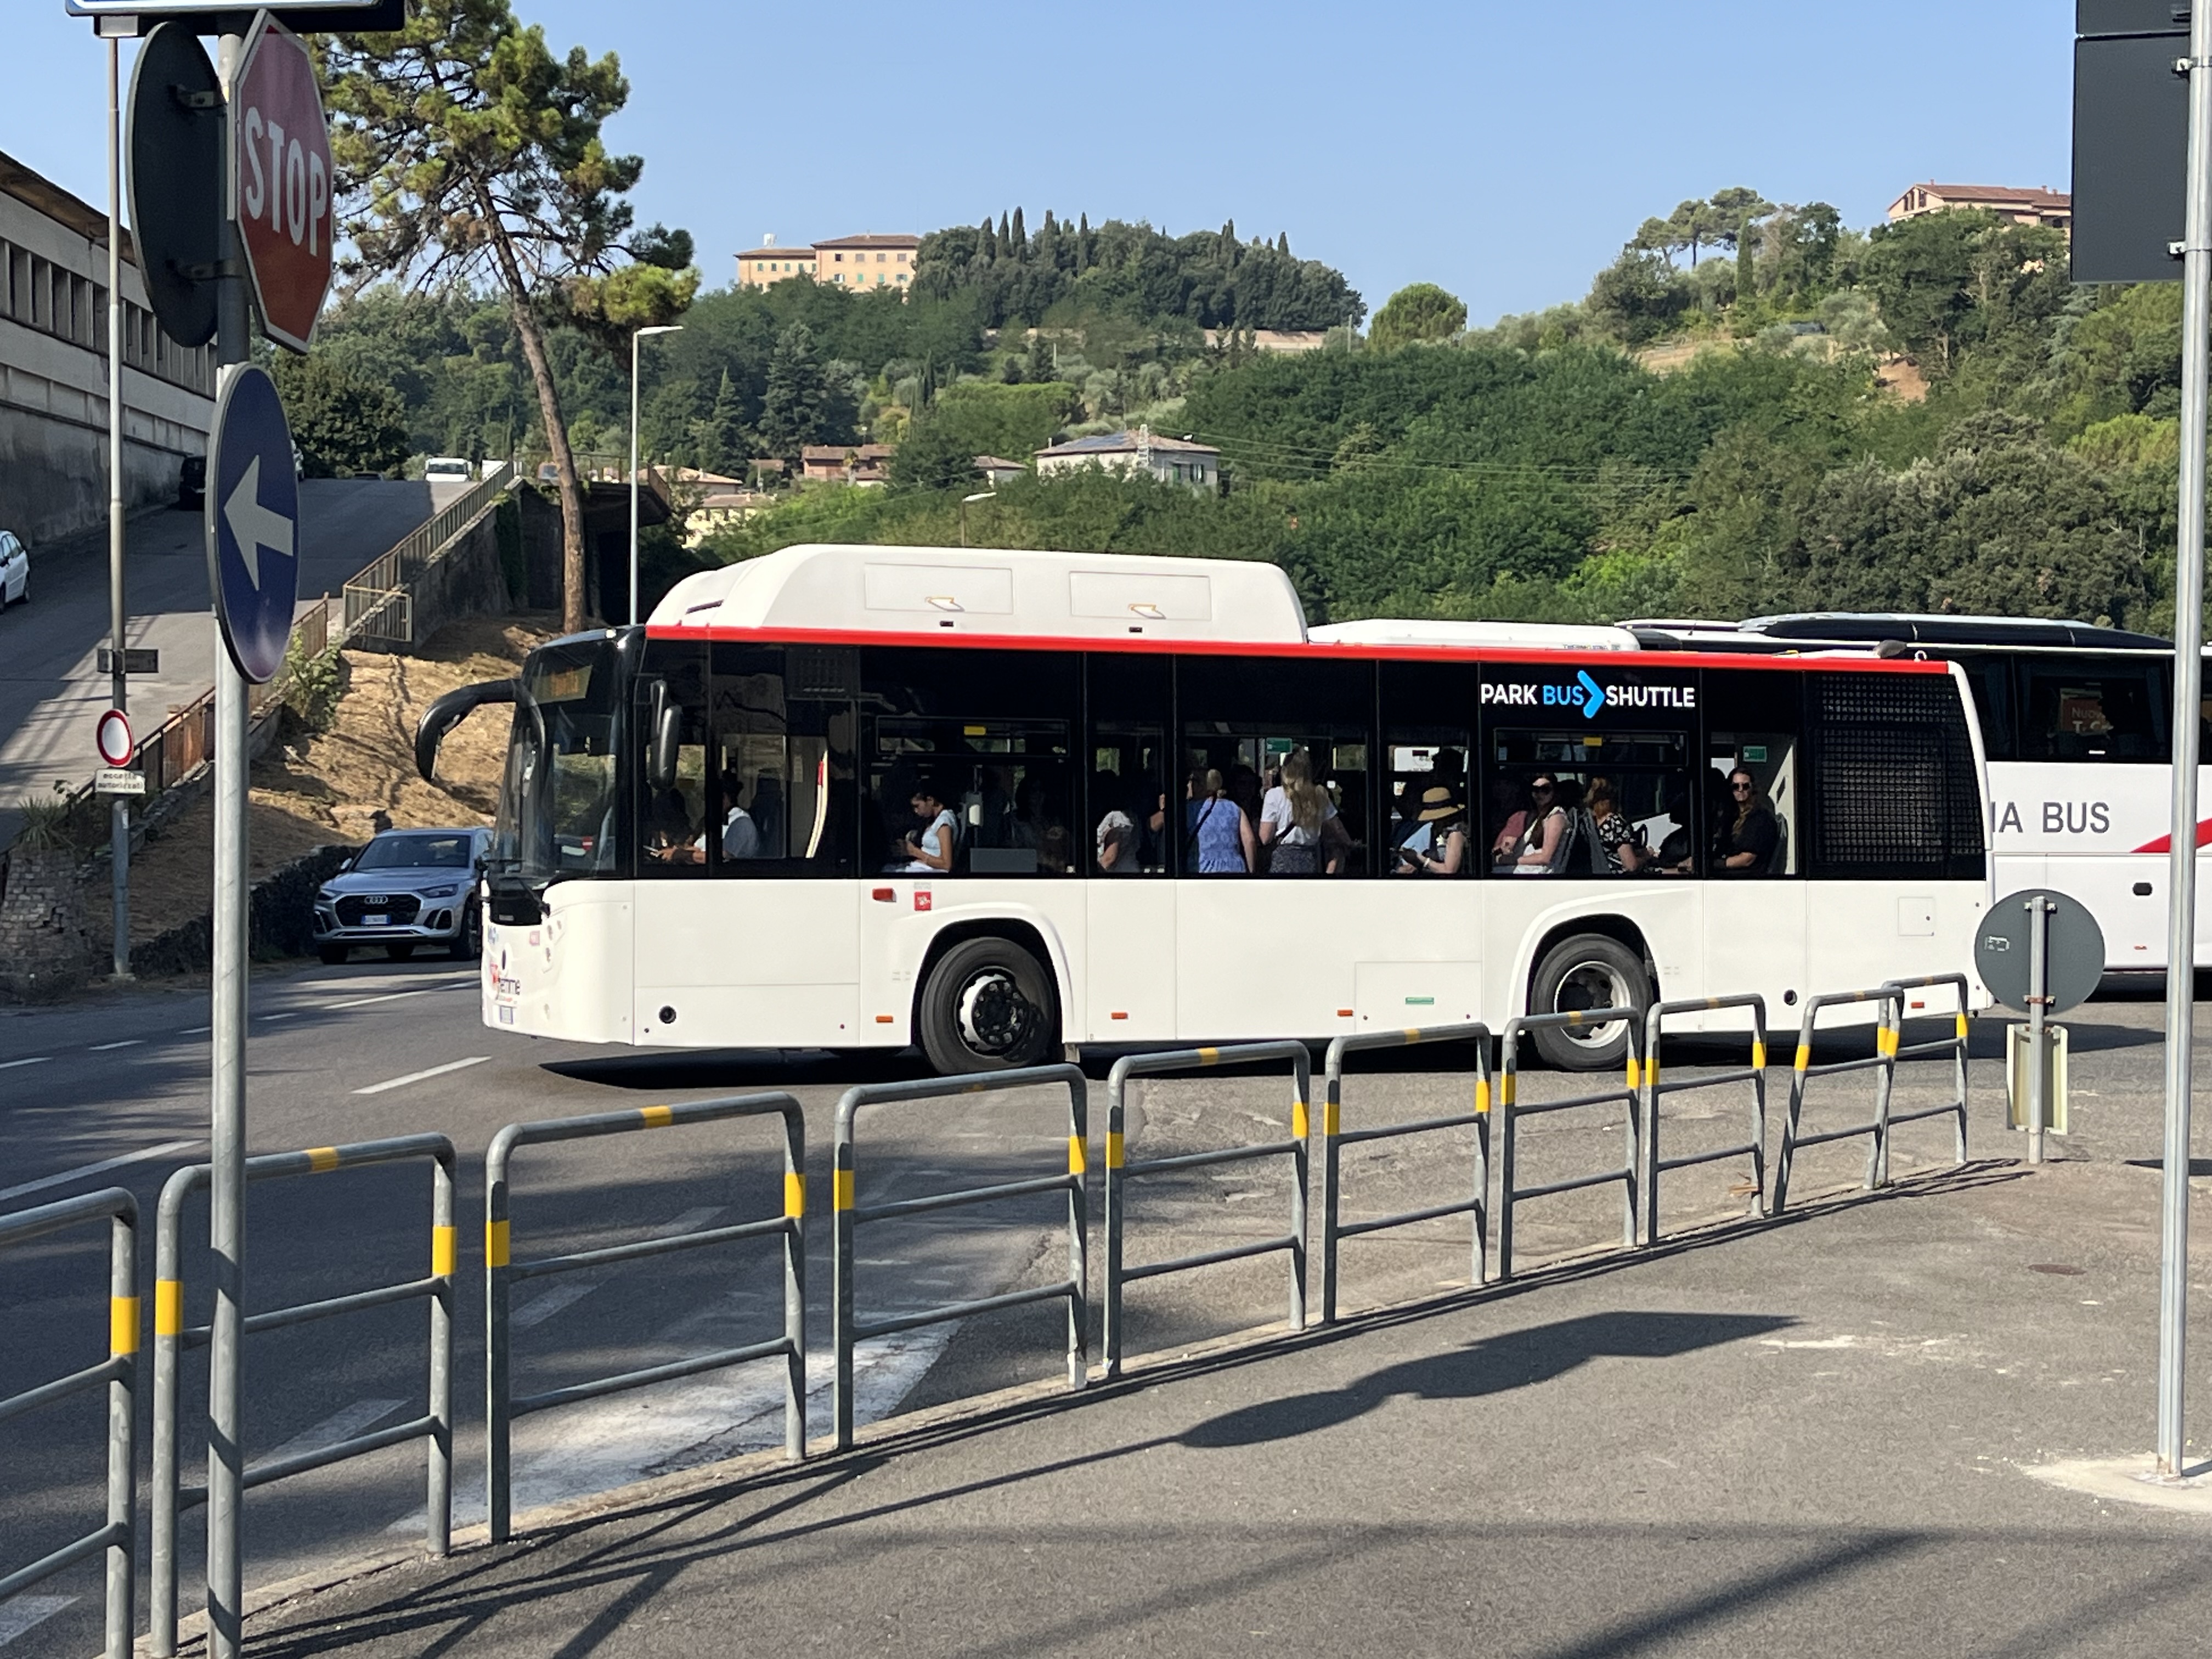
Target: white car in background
(14, 570)
(447, 469)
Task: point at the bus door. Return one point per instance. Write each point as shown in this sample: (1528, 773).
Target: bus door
(1273, 814)
(1129, 983)
(1751, 850)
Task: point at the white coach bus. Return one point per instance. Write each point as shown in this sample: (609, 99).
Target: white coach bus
(995, 803)
(2075, 722)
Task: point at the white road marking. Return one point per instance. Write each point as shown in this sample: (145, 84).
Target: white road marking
(43, 1059)
(363, 1002)
(423, 1076)
(196, 1030)
(272, 1016)
(691, 1220)
(170, 1150)
(109, 1048)
(22, 1613)
(356, 1419)
(355, 981)
(549, 1301)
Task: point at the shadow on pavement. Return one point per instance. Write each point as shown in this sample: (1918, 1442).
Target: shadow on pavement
(1496, 1364)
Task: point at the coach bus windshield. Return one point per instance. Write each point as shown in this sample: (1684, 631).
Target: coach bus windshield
(558, 809)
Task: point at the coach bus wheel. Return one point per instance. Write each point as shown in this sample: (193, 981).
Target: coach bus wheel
(987, 1007)
(1577, 975)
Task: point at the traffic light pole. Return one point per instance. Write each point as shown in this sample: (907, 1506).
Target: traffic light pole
(227, 1200)
(118, 808)
(2188, 717)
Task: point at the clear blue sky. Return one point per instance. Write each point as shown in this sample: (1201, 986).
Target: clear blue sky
(1504, 150)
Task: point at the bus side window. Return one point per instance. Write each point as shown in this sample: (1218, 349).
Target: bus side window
(2086, 709)
(1127, 804)
(1429, 826)
(1991, 675)
(782, 772)
(1753, 788)
(1245, 719)
(672, 841)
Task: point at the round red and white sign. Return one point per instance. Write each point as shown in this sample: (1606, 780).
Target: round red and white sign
(117, 746)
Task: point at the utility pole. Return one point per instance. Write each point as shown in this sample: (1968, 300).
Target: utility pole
(634, 340)
(2188, 685)
(119, 806)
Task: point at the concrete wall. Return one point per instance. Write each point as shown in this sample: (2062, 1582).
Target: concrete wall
(467, 581)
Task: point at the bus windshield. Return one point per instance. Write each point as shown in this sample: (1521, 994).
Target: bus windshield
(558, 808)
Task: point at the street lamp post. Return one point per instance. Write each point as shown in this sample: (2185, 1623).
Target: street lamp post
(667, 328)
(979, 495)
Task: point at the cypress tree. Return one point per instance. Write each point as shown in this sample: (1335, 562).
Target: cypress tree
(1283, 244)
(988, 239)
(1021, 239)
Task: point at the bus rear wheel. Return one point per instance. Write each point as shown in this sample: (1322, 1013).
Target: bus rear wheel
(987, 1007)
(1577, 975)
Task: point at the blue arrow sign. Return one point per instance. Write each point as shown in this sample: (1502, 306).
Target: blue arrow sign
(252, 522)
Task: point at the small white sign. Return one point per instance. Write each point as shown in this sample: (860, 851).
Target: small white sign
(115, 781)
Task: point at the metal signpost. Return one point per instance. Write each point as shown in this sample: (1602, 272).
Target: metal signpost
(2128, 56)
(2042, 953)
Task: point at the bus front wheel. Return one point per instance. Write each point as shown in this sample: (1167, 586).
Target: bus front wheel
(1577, 975)
(988, 1007)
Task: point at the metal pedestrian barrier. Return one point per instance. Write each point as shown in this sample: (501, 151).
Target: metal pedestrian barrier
(120, 1371)
(1510, 1109)
(172, 1339)
(1755, 1074)
(1120, 1173)
(1336, 1138)
(1954, 1046)
(849, 1216)
(503, 1273)
(1890, 1000)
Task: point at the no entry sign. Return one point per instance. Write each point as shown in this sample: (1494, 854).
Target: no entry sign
(280, 183)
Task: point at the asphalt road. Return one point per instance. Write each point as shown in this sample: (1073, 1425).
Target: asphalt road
(50, 691)
(1541, 1472)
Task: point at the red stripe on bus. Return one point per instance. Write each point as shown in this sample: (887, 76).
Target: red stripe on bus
(2164, 843)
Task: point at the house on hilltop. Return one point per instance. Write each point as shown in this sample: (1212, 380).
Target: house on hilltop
(2045, 206)
(1171, 460)
(864, 261)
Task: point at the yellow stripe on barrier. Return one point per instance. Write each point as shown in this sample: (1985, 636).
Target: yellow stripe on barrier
(1331, 1120)
(840, 1190)
(1301, 1124)
(122, 1324)
(443, 1252)
(1505, 1090)
(1757, 1056)
(496, 1244)
(1962, 1027)
(657, 1118)
(794, 1195)
(1209, 1056)
(321, 1160)
(1635, 1078)
(1482, 1096)
(1651, 1072)
(1885, 1042)
(1079, 1155)
(1113, 1149)
(169, 1306)
(1804, 1055)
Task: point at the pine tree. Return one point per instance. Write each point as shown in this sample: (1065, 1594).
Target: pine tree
(794, 408)
(722, 446)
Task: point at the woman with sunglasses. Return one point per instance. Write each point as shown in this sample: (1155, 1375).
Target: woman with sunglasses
(1538, 844)
(1748, 840)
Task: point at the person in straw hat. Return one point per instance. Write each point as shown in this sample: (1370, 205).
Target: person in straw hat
(1445, 814)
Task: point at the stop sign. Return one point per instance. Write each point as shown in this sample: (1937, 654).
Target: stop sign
(280, 183)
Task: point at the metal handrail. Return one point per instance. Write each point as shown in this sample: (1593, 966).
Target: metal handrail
(1754, 1074)
(172, 1338)
(387, 584)
(1336, 1138)
(849, 1215)
(1119, 1172)
(503, 1273)
(120, 1371)
(1511, 1110)
(1955, 1045)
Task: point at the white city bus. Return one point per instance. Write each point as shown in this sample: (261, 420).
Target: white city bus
(2075, 723)
(864, 797)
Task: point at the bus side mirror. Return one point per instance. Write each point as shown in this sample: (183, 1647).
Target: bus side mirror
(448, 711)
(666, 723)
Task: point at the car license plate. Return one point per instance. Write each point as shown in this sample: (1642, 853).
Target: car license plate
(376, 921)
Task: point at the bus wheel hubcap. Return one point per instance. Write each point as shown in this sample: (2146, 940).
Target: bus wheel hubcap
(1586, 986)
(993, 1014)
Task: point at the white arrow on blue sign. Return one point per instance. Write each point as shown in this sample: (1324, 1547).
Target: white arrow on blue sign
(252, 522)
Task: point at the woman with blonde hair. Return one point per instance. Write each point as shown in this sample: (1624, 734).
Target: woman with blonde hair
(1292, 818)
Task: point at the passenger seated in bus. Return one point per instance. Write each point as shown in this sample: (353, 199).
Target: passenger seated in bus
(1221, 840)
(1542, 839)
(1292, 819)
(1509, 811)
(1749, 838)
(1035, 830)
(670, 835)
(741, 836)
(1625, 850)
(930, 849)
(1116, 849)
(1441, 813)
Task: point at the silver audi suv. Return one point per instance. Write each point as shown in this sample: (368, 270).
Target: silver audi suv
(406, 889)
